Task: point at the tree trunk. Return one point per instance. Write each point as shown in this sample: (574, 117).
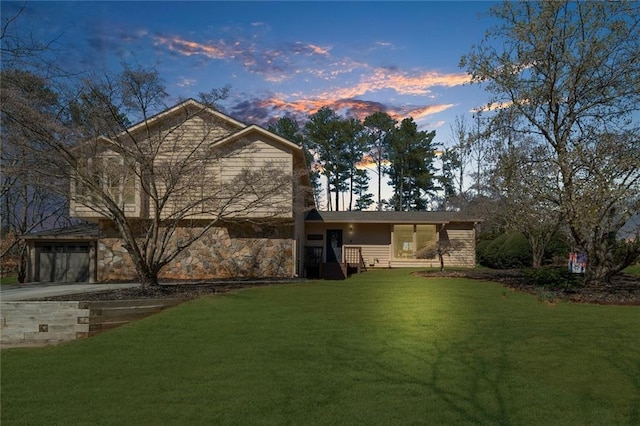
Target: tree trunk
(599, 264)
(147, 278)
(537, 252)
(379, 185)
(22, 266)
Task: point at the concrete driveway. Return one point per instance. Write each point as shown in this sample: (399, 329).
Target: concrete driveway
(11, 293)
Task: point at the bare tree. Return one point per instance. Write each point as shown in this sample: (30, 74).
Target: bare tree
(527, 187)
(461, 146)
(441, 248)
(571, 72)
(28, 201)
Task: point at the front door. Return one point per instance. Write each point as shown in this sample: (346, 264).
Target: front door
(334, 245)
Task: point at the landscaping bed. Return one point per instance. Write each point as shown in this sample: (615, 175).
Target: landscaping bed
(624, 289)
(184, 290)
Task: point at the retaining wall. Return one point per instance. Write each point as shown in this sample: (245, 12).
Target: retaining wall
(40, 323)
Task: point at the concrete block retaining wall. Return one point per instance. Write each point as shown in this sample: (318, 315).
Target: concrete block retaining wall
(39, 323)
(42, 322)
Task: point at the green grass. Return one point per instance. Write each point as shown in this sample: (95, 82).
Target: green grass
(633, 270)
(8, 280)
(381, 348)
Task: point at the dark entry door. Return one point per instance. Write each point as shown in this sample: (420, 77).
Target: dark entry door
(334, 245)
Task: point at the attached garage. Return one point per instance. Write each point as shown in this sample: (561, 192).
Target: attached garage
(62, 262)
(64, 255)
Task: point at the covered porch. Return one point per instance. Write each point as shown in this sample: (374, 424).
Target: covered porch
(338, 244)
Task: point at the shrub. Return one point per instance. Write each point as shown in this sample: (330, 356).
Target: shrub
(557, 251)
(508, 251)
(550, 278)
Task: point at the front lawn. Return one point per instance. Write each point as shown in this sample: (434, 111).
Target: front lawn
(384, 347)
(633, 270)
(9, 280)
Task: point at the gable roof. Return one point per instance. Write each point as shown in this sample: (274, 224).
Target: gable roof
(259, 130)
(192, 106)
(388, 217)
(296, 150)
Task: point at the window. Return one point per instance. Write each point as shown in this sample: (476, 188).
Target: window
(403, 241)
(115, 176)
(129, 182)
(407, 239)
(89, 177)
(112, 174)
(425, 236)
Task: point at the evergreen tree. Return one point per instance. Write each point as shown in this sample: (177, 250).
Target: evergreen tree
(411, 171)
(289, 129)
(378, 127)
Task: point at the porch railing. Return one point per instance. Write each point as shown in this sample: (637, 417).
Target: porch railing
(353, 256)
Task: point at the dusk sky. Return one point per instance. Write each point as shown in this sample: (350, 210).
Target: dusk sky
(283, 58)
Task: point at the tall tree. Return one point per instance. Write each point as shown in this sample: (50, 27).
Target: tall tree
(526, 187)
(325, 132)
(460, 151)
(289, 129)
(450, 163)
(479, 152)
(571, 71)
(411, 155)
(28, 202)
(354, 146)
(378, 127)
(361, 190)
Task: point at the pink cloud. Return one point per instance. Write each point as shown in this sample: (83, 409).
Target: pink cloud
(189, 48)
(401, 82)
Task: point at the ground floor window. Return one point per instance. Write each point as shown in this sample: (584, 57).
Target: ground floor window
(403, 241)
(407, 239)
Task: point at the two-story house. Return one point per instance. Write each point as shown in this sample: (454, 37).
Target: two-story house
(241, 192)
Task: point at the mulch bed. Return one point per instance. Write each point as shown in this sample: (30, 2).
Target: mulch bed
(186, 290)
(623, 290)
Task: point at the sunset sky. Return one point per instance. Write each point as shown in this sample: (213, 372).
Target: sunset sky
(283, 58)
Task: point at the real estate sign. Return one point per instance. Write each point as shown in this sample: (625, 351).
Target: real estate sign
(577, 263)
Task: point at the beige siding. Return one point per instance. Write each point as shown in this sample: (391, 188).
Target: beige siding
(269, 163)
(186, 152)
(219, 178)
(466, 254)
(375, 256)
(375, 240)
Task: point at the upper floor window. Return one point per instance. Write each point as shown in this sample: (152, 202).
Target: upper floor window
(112, 175)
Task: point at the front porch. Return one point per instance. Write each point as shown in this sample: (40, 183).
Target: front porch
(350, 262)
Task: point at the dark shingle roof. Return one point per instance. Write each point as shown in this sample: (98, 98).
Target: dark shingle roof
(388, 217)
(87, 231)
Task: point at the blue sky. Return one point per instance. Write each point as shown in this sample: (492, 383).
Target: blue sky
(283, 58)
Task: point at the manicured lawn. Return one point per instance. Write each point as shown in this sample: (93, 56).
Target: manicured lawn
(381, 348)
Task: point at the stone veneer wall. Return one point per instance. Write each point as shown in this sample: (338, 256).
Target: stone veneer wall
(234, 251)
